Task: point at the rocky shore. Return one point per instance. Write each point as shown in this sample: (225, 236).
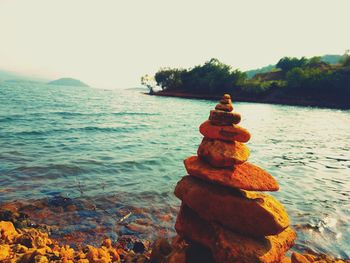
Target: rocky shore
(31, 244)
(22, 240)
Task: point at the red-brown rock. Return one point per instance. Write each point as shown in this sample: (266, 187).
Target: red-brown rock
(226, 133)
(319, 258)
(226, 96)
(250, 213)
(286, 260)
(298, 258)
(245, 176)
(223, 118)
(224, 107)
(227, 246)
(222, 154)
(225, 101)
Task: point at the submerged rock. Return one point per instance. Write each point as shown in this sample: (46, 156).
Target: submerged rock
(160, 250)
(19, 220)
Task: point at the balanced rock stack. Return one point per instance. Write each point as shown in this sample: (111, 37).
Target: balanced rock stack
(222, 209)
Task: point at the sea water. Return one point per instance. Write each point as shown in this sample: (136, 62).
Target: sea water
(93, 163)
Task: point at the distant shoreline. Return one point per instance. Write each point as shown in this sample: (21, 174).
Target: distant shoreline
(281, 101)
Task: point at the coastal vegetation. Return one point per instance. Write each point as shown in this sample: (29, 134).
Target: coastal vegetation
(301, 81)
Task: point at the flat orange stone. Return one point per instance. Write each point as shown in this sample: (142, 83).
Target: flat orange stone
(224, 118)
(222, 154)
(245, 176)
(224, 107)
(225, 101)
(226, 133)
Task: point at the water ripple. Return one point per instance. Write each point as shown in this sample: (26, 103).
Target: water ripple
(84, 158)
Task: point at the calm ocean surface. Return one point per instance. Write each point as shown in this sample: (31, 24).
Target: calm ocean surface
(94, 163)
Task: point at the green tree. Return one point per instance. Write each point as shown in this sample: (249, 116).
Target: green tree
(213, 77)
(168, 78)
(295, 77)
(346, 61)
(314, 62)
(288, 63)
(149, 82)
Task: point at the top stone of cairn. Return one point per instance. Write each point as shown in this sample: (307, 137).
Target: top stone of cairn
(223, 115)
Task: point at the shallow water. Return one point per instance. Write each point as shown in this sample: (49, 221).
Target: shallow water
(94, 163)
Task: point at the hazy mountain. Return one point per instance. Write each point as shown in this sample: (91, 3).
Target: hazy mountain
(253, 72)
(5, 75)
(68, 82)
(9, 76)
(332, 59)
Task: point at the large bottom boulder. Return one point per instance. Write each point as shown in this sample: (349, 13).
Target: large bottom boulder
(227, 246)
(250, 213)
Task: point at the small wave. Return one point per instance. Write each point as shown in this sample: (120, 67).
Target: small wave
(109, 129)
(135, 113)
(141, 163)
(320, 225)
(84, 129)
(339, 159)
(50, 171)
(334, 167)
(68, 113)
(7, 119)
(43, 116)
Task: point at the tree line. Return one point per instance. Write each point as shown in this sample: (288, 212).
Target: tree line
(210, 78)
(291, 75)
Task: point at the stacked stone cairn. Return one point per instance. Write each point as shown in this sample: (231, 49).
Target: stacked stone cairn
(222, 208)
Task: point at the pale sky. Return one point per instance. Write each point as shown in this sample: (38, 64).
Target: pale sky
(111, 44)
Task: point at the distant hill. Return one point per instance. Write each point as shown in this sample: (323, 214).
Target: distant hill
(9, 76)
(68, 82)
(5, 75)
(253, 72)
(330, 59)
